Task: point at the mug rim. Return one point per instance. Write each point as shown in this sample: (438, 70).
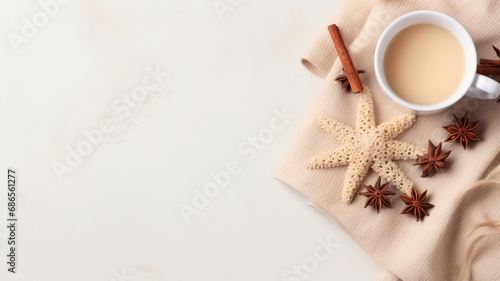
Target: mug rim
(465, 41)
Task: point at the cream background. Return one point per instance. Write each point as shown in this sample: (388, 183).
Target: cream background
(119, 209)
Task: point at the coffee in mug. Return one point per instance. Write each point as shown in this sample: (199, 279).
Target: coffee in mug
(426, 61)
(424, 64)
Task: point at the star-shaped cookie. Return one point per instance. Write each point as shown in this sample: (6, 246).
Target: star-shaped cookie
(367, 146)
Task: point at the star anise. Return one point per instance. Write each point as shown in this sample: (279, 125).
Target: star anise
(342, 78)
(462, 130)
(417, 204)
(377, 196)
(434, 160)
(496, 50)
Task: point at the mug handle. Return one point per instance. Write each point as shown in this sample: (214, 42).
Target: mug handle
(484, 88)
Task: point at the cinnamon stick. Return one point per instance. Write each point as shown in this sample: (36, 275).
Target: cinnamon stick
(489, 62)
(488, 70)
(345, 59)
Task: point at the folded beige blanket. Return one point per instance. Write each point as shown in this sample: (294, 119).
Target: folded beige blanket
(462, 231)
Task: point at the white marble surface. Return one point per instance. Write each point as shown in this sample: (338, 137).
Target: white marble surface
(115, 214)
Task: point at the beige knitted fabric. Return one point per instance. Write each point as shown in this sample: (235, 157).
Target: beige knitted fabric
(367, 146)
(438, 247)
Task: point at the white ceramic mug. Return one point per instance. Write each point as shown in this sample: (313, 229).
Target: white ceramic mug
(472, 84)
